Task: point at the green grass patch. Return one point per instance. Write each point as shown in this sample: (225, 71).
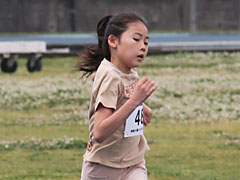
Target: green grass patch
(194, 133)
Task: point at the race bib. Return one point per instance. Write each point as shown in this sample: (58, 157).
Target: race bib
(134, 123)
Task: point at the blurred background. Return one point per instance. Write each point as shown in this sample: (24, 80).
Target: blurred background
(54, 16)
(193, 56)
(64, 27)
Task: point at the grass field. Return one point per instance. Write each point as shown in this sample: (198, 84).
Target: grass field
(194, 134)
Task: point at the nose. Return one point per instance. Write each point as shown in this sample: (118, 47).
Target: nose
(143, 47)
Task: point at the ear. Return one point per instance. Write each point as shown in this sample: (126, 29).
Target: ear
(112, 41)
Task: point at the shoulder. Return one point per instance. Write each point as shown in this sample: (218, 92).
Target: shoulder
(107, 71)
(106, 79)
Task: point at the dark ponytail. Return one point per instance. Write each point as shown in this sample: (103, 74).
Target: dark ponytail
(93, 55)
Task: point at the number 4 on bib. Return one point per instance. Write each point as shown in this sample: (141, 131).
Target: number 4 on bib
(139, 117)
(134, 123)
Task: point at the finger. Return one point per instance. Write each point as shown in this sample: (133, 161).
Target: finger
(149, 120)
(147, 117)
(146, 85)
(149, 85)
(154, 87)
(143, 80)
(150, 88)
(146, 121)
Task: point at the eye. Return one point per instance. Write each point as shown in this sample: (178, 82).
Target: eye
(136, 39)
(146, 43)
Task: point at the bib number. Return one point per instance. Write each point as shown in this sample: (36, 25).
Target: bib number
(134, 123)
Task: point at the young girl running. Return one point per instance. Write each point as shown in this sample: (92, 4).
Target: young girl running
(117, 113)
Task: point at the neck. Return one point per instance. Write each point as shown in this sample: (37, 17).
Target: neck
(120, 65)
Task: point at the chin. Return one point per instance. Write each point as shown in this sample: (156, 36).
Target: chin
(136, 65)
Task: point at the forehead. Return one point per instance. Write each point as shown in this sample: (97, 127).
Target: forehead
(137, 27)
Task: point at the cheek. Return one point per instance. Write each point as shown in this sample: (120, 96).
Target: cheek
(129, 52)
(128, 48)
(132, 46)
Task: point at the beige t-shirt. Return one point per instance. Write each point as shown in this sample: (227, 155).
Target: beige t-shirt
(113, 88)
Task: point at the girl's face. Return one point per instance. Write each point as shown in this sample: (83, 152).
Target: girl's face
(132, 47)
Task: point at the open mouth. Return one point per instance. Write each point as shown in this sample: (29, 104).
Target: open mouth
(141, 56)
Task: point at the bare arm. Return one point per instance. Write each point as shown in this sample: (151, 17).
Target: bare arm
(106, 122)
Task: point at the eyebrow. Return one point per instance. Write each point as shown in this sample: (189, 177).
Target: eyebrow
(141, 35)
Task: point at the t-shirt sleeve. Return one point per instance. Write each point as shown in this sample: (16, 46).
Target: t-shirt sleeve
(108, 92)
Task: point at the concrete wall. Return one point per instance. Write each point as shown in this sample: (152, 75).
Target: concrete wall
(219, 14)
(160, 14)
(34, 16)
(82, 15)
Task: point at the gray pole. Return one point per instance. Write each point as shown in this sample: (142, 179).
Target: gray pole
(193, 15)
